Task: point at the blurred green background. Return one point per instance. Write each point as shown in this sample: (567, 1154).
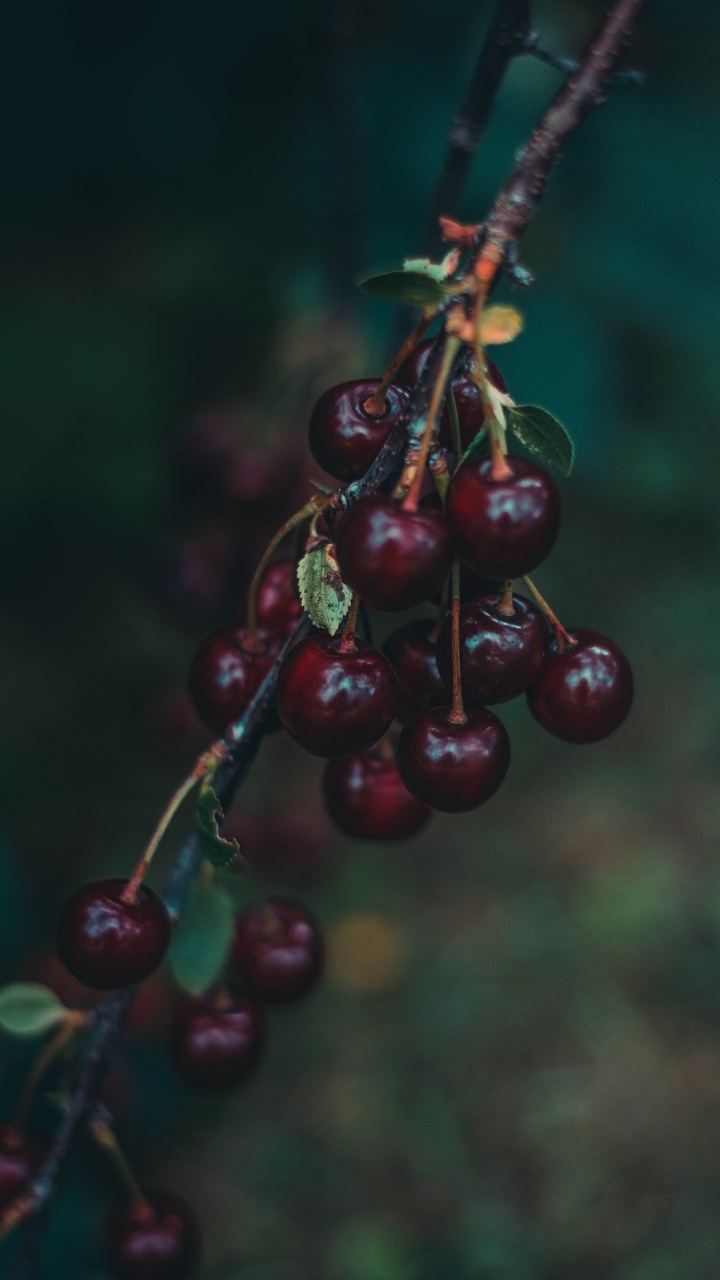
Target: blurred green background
(512, 1071)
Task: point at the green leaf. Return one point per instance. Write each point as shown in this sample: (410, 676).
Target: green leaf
(414, 288)
(202, 938)
(477, 447)
(322, 591)
(209, 813)
(544, 435)
(27, 1009)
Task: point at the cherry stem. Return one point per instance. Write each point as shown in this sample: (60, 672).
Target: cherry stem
(72, 1022)
(506, 606)
(103, 1135)
(202, 765)
(316, 504)
(562, 636)
(457, 710)
(347, 640)
(385, 748)
(499, 469)
(455, 436)
(411, 479)
(375, 404)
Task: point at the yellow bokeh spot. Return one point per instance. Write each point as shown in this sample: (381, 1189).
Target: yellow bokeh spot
(367, 952)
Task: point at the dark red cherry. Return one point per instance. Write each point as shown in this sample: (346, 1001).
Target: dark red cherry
(500, 655)
(156, 1239)
(584, 693)
(106, 941)
(412, 654)
(225, 673)
(217, 1040)
(278, 603)
(467, 396)
(278, 951)
(345, 438)
(503, 528)
(336, 703)
(393, 558)
(453, 767)
(366, 798)
(20, 1159)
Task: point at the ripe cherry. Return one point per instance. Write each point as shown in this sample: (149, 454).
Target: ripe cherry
(467, 396)
(107, 941)
(278, 603)
(412, 654)
(217, 1039)
(20, 1159)
(278, 951)
(367, 799)
(500, 654)
(225, 673)
(584, 693)
(453, 767)
(345, 437)
(157, 1238)
(335, 702)
(503, 528)
(393, 558)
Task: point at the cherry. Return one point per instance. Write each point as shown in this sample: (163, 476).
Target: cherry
(157, 1238)
(366, 798)
(584, 693)
(453, 767)
(20, 1160)
(335, 703)
(217, 1040)
(344, 437)
(412, 654)
(393, 558)
(225, 673)
(278, 603)
(106, 941)
(500, 654)
(503, 528)
(467, 396)
(278, 951)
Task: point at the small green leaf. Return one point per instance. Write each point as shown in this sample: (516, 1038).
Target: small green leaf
(322, 591)
(544, 435)
(478, 446)
(209, 812)
(414, 288)
(27, 1009)
(202, 938)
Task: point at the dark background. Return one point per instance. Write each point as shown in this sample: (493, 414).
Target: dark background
(512, 1071)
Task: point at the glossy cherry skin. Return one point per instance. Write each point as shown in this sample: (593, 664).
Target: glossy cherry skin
(500, 656)
(278, 951)
(105, 941)
(335, 703)
(467, 396)
(412, 654)
(503, 528)
(453, 767)
(367, 799)
(217, 1040)
(584, 693)
(20, 1159)
(226, 672)
(278, 603)
(344, 437)
(393, 558)
(157, 1240)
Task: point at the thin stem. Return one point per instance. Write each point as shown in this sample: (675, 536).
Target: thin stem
(316, 504)
(506, 606)
(375, 404)
(562, 636)
(347, 641)
(499, 469)
(455, 436)
(457, 710)
(73, 1021)
(104, 1137)
(131, 889)
(414, 470)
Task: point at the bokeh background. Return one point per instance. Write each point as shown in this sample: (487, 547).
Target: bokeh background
(512, 1071)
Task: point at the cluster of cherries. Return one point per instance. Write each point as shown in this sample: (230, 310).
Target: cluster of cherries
(338, 696)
